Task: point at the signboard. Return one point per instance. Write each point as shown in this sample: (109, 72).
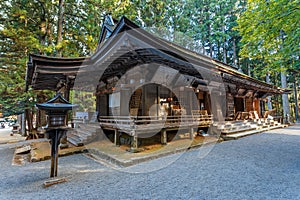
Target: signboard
(82, 115)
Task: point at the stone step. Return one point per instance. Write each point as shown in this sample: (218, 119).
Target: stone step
(247, 133)
(83, 135)
(79, 136)
(84, 139)
(239, 127)
(237, 130)
(239, 135)
(75, 141)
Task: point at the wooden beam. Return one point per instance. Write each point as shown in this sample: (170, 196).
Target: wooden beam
(54, 181)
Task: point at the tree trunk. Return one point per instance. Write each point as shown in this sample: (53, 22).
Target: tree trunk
(296, 100)
(209, 40)
(234, 53)
(28, 118)
(210, 49)
(219, 51)
(269, 98)
(224, 52)
(285, 99)
(224, 46)
(249, 69)
(60, 26)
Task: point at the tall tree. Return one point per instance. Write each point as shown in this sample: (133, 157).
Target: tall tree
(271, 34)
(211, 26)
(61, 8)
(49, 28)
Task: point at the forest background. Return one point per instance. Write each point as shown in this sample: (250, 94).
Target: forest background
(260, 38)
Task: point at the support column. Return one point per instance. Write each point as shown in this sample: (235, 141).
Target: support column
(64, 139)
(102, 105)
(55, 135)
(117, 138)
(125, 95)
(191, 133)
(163, 136)
(134, 143)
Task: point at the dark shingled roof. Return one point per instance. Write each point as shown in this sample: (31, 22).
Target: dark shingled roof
(126, 46)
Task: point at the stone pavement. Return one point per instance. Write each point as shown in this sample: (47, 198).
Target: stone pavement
(105, 151)
(261, 166)
(6, 137)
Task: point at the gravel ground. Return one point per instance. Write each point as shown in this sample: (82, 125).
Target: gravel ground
(263, 166)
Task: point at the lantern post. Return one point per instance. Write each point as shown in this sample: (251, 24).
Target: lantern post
(56, 110)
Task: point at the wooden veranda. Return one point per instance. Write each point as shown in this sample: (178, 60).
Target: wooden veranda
(143, 125)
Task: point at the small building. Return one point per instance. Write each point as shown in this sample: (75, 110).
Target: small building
(145, 84)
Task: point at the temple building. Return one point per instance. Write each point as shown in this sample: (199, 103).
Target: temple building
(144, 84)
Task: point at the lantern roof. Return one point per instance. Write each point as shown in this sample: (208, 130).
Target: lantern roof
(57, 103)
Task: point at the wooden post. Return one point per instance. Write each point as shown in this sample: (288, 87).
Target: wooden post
(191, 133)
(55, 135)
(163, 136)
(125, 95)
(134, 143)
(117, 138)
(54, 153)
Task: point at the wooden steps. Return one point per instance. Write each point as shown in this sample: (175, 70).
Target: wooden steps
(84, 134)
(236, 129)
(247, 133)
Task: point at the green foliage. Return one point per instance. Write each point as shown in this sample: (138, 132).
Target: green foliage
(271, 34)
(205, 26)
(86, 101)
(30, 26)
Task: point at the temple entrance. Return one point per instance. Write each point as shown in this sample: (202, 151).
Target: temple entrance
(239, 105)
(155, 100)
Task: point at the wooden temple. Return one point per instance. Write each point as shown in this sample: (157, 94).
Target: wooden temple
(145, 85)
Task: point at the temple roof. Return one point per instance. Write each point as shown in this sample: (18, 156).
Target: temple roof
(125, 45)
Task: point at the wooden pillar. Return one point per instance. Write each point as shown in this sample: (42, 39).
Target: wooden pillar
(191, 133)
(149, 98)
(262, 107)
(134, 143)
(117, 138)
(144, 104)
(67, 90)
(163, 136)
(55, 135)
(64, 139)
(207, 102)
(125, 95)
(102, 105)
(193, 102)
(257, 107)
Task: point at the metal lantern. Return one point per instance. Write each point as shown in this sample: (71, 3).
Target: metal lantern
(56, 110)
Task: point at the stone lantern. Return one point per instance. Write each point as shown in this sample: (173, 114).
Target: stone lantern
(56, 110)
